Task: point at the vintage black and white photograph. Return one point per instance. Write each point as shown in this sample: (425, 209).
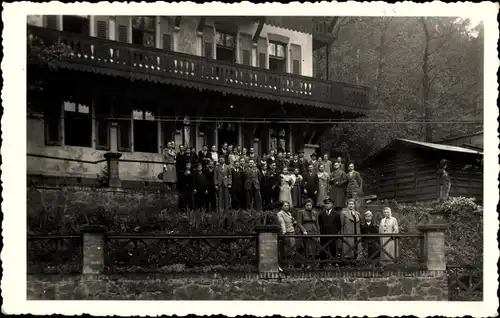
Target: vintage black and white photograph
(256, 157)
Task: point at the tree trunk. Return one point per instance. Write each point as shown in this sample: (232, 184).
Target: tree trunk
(427, 128)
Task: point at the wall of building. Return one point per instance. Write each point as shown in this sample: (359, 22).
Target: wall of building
(323, 286)
(42, 166)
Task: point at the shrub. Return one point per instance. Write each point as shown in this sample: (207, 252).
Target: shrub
(464, 237)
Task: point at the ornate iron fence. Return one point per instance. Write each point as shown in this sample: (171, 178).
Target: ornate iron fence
(151, 253)
(54, 254)
(360, 251)
(465, 283)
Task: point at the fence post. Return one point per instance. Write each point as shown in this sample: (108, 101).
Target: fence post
(113, 171)
(267, 250)
(93, 248)
(434, 242)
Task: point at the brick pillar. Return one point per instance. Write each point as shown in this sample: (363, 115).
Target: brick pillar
(93, 248)
(267, 250)
(433, 248)
(113, 171)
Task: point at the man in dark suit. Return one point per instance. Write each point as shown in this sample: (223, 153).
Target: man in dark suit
(200, 188)
(274, 184)
(223, 182)
(186, 183)
(237, 191)
(211, 198)
(253, 178)
(329, 223)
(310, 183)
(302, 162)
(204, 156)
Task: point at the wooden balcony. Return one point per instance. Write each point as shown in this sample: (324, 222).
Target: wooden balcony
(83, 53)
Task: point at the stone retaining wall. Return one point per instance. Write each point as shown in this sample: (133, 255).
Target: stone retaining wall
(422, 285)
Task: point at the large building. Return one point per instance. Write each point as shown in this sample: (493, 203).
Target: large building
(130, 84)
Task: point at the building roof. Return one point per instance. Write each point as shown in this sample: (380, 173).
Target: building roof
(440, 146)
(425, 145)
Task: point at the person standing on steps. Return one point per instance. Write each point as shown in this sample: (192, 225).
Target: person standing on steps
(252, 183)
(237, 190)
(200, 188)
(338, 183)
(310, 183)
(329, 223)
(211, 199)
(223, 183)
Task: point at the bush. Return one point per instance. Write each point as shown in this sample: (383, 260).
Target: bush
(464, 237)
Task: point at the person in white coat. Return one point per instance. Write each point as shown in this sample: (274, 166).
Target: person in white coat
(388, 224)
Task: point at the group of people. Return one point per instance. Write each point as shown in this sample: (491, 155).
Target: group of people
(328, 221)
(237, 178)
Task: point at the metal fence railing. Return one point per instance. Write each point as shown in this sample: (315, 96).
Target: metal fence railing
(360, 251)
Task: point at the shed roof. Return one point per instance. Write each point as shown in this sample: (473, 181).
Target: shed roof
(440, 146)
(424, 145)
(462, 136)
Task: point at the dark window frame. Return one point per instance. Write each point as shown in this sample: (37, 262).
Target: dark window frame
(144, 29)
(141, 121)
(77, 114)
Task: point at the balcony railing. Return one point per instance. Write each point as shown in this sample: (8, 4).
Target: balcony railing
(122, 59)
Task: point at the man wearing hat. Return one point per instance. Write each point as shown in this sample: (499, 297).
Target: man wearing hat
(302, 162)
(329, 223)
(314, 162)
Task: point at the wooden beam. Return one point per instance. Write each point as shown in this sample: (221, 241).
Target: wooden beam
(256, 36)
(177, 21)
(201, 24)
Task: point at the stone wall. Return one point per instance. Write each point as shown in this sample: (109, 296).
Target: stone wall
(423, 285)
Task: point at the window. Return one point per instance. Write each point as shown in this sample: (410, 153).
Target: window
(225, 47)
(145, 131)
(51, 21)
(123, 33)
(52, 118)
(102, 29)
(279, 139)
(102, 124)
(208, 40)
(143, 31)
(277, 56)
(123, 112)
(76, 24)
(246, 49)
(296, 58)
(77, 124)
(166, 31)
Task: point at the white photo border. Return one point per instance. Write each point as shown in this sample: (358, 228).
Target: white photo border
(13, 152)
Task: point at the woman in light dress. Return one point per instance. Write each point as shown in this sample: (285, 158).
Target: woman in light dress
(286, 185)
(287, 224)
(169, 170)
(323, 178)
(388, 224)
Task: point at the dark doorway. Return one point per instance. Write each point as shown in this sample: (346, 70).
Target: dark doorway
(228, 132)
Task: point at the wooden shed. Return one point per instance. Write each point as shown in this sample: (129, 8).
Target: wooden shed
(407, 171)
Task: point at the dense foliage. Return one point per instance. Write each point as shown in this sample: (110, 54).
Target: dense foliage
(420, 69)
